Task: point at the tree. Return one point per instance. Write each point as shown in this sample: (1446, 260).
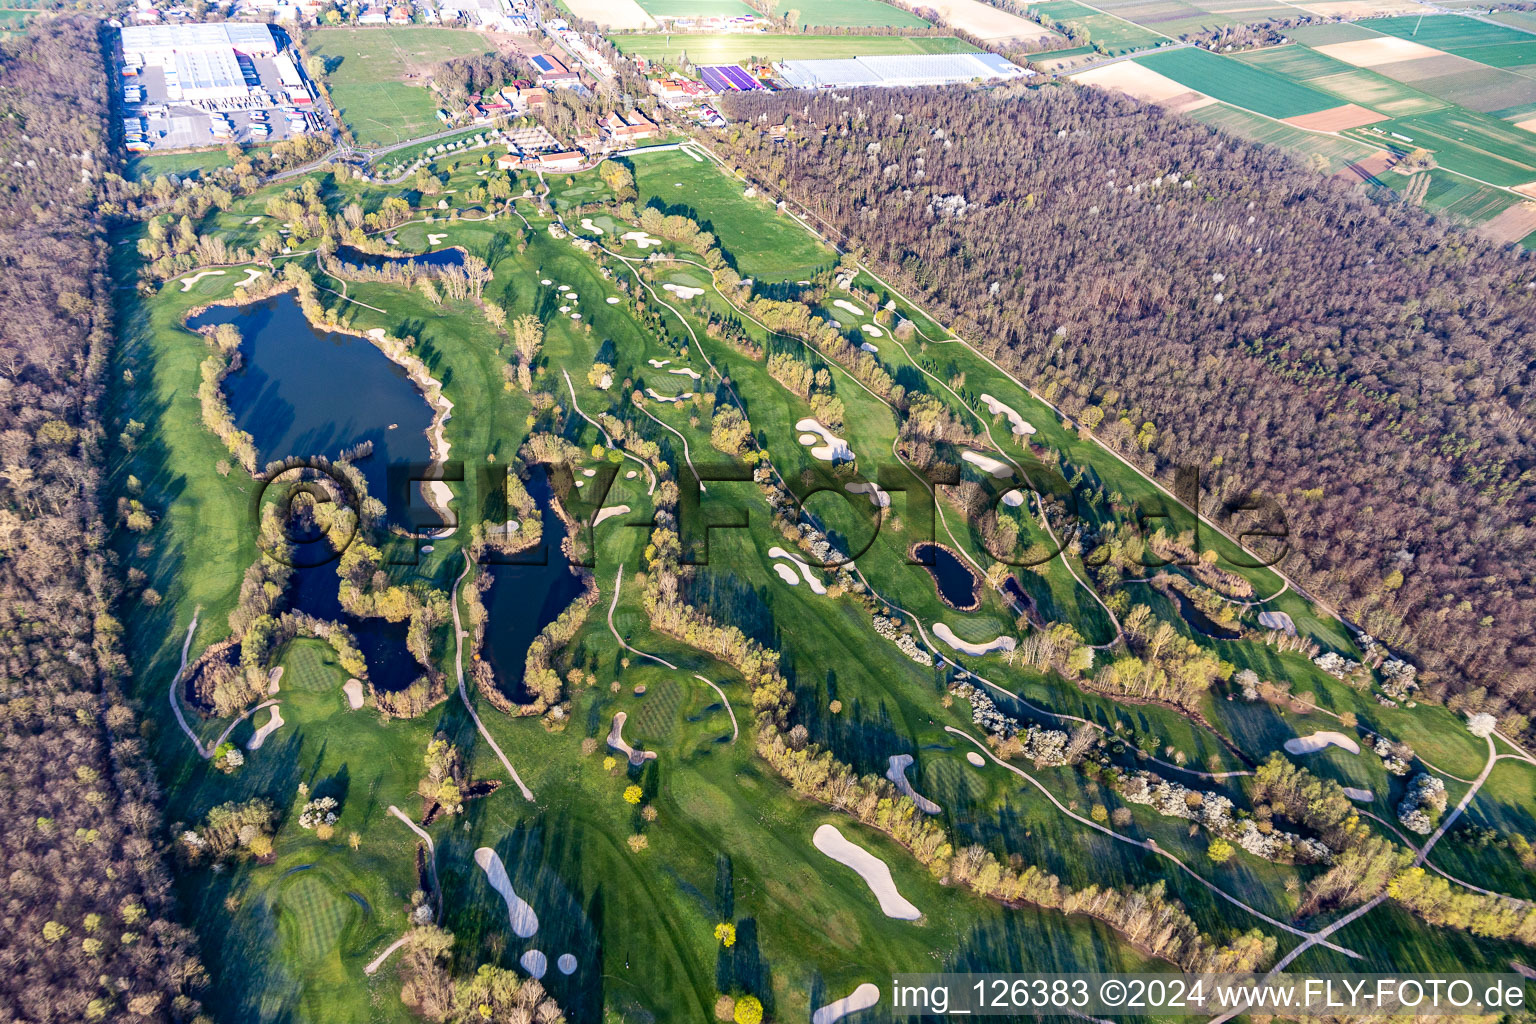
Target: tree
(749, 1010)
(633, 794)
(1220, 851)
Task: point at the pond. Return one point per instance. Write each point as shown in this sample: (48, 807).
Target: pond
(959, 587)
(304, 391)
(524, 598)
(1197, 619)
(453, 256)
(391, 666)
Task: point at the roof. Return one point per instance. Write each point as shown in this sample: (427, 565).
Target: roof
(555, 158)
(911, 69)
(549, 65)
(247, 37)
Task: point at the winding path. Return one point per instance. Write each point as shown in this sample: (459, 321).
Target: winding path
(650, 473)
(205, 752)
(431, 852)
(458, 666)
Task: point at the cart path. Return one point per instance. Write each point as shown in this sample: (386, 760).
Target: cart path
(458, 665)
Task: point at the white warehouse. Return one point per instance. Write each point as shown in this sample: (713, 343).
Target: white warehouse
(199, 61)
(898, 70)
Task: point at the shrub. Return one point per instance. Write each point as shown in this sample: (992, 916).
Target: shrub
(748, 1011)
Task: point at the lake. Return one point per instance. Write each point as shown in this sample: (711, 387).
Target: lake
(959, 587)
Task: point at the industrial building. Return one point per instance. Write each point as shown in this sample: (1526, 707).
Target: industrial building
(905, 70)
(200, 61)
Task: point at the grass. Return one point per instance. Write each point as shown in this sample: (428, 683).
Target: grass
(152, 165)
(1237, 83)
(373, 76)
(1477, 145)
(1111, 33)
(740, 49)
(848, 14)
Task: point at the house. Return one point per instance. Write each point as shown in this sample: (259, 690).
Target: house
(553, 74)
(400, 16)
(508, 162)
(560, 161)
(373, 16)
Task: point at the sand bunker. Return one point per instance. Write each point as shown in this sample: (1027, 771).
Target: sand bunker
(877, 497)
(535, 963)
(565, 309)
(833, 448)
(609, 513)
(1001, 470)
(1142, 83)
(586, 222)
(872, 330)
(1020, 425)
(787, 574)
(682, 291)
(435, 239)
(867, 347)
(1013, 498)
(274, 680)
(662, 398)
(546, 282)
(1364, 796)
(524, 921)
(566, 963)
(805, 570)
(1369, 53)
(253, 220)
(631, 474)
(872, 869)
(1277, 620)
(807, 438)
(862, 998)
(848, 307)
(976, 759)
(897, 773)
(563, 288)
(616, 741)
(1320, 741)
(251, 274)
(1002, 643)
(640, 238)
(273, 724)
(354, 691)
(589, 473)
(188, 282)
(659, 364)
(684, 371)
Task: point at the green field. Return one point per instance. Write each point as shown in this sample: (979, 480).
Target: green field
(736, 48)
(1477, 145)
(377, 76)
(151, 165)
(695, 8)
(1237, 83)
(1338, 152)
(1495, 45)
(1350, 84)
(1111, 34)
(848, 14)
(1174, 18)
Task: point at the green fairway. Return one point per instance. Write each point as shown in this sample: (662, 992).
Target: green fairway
(696, 8)
(735, 48)
(1237, 83)
(1111, 34)
(1495, 45)
(848, 14)
(378, 76)
(1338, 152)
(1477, 145)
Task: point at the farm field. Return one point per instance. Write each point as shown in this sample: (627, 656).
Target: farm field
(982, 20)
(1239, 84)
(695, 8)
(1109, 33)
(1174, 18)
(377, 76)
(849, 14)
(1477, 145)
(1337, 153)
(1494, 45)
(1348, 83)
(735, 48)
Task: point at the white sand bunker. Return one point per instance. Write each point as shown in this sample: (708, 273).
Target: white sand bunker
(1277, 620)
(524, 921)
(897, 773)
(565, 309)
(188, 282)
(354, 691)
(612, 300)
(609, 513)
(805, 570)
(807, 438)
(535, 963)
(847, 306)
(976, 759)
(1020, 425)
(872, 869)
(273, 724)
(435, 239)
(546, 282)
(1013, 498)
(251, 274)
(833, 448)
(877, 497)
(1002, 643)
(631, 474)
(589, 473)
(640, 238)
(867, 347)
(662, 398)
(616, 741)
(1001, 470)
(274, 680)
(862, 998)
(872, 330)
(566, 963)
(659, 364)
(575, 316)
(787, 574)
(1364, 796)
(682, 291)
(254, 220)
(1320, 741)
(586, 222)
(563, 288)
(684, 371)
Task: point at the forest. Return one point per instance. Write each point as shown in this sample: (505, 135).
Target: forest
(88, 928)
(1200, 303)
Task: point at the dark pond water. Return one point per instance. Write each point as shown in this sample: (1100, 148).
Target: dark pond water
(452, 257)
(957, 584)
(304, 391)
(526, 597)
(1200, 621)
(391, 666)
